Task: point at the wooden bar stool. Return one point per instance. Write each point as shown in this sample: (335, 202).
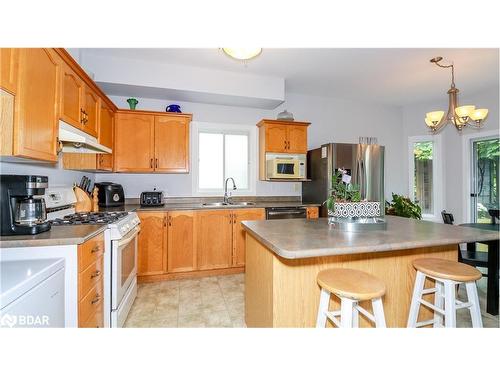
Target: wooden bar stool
(351, 286)
(447, 274)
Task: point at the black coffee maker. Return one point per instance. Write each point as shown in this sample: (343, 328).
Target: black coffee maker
(22, 212)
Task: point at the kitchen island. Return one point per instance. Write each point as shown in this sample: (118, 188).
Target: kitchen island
(283, 258)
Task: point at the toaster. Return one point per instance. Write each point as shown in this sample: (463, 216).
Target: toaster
(152, 198)
(110, 194)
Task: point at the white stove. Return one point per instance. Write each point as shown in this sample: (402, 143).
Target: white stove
(120, 256)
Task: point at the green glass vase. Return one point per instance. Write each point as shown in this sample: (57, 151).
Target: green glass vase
(132, 102)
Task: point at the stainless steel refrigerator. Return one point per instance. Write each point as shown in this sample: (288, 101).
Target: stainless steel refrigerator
(363, 162)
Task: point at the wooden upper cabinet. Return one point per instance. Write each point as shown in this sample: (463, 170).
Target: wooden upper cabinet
(92, 106)
(172, 144)
(297, 139)
(279, 136)
(276, 137)
(106, 128)
(134, 143)
(214, 238)
(238, 258)
(106, 122)
(72, 97)
(36, 104)
(181, 253)
(149, 142)
(9, 63)
(151, 254)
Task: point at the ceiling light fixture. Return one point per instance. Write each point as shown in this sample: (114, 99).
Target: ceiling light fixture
(244, 54)
(466, 115)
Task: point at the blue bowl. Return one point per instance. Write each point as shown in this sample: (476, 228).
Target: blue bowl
(173, 108)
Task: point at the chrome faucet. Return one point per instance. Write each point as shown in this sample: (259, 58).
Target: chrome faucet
(226, 194)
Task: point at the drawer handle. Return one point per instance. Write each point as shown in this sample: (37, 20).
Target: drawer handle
(95, 249)
(96, 299)
(95, 274)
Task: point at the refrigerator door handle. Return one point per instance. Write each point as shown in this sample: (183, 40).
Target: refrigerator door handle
(362, 178)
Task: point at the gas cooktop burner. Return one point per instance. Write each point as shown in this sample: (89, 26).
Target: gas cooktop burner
(90, 218)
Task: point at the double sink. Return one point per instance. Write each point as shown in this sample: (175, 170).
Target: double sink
(222, 204)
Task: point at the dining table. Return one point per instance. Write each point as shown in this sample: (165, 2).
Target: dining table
(492, 292)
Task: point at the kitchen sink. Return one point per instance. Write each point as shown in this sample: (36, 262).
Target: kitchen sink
(222, 204)
(215, 204)
(243, 204)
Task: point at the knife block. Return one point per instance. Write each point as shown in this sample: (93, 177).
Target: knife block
(83, 201)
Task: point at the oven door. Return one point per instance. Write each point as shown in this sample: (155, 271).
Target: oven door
(123, 266)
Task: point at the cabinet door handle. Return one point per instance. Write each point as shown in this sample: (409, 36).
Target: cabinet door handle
(164, 221)
(151, 163)
(95, 274)
(170, 221)
(285, 145)
(288, 145)
(156, 163)
(95, 249)
(96, 299)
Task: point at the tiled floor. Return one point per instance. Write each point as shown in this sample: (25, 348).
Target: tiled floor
(219, 302)
(463, 316)
(206, 302)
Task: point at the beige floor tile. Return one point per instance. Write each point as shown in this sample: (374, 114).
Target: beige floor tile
(238, 322)
(195, 320)
(217, 319)
(189, 283)
(164, 323)
(165, 312)
(133, 322)
(190, 307)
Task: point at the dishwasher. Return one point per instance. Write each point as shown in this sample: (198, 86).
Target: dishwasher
(274, 213)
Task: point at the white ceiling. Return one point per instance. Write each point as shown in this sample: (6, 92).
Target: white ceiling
(390, 76)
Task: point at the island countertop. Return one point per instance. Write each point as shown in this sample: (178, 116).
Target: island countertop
(56, 236)
(301, 238)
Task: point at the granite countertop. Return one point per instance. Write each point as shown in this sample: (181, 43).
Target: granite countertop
(301, 238)
(56, 236)
(199, 206)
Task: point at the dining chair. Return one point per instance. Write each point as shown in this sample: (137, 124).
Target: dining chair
(470, 256)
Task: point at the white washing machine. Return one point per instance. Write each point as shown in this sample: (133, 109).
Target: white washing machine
(32, 293)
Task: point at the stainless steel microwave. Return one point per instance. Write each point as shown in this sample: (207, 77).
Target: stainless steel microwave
(292, 166)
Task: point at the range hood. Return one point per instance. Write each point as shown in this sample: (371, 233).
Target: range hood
(75, 141)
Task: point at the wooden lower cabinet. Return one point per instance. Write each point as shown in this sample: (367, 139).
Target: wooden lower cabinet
(312, 212)
(238, 256)
(181, 249)
(90, 283)
(177, 243)
(151, 257)
(214, 232)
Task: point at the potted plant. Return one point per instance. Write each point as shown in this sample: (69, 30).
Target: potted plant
(403, 206)
(344, 200)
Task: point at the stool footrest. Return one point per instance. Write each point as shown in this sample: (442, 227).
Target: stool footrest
(429, 291)
(425, 323)
(462, 305)
(431, 306)
(332, 315)
(365, 313)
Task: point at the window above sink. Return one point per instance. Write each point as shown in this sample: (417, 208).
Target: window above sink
(221, 151)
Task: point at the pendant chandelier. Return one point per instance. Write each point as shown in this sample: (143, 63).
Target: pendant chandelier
(466, 115)
(244, 54)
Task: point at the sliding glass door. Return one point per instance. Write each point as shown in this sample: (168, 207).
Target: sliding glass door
(485, 178)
